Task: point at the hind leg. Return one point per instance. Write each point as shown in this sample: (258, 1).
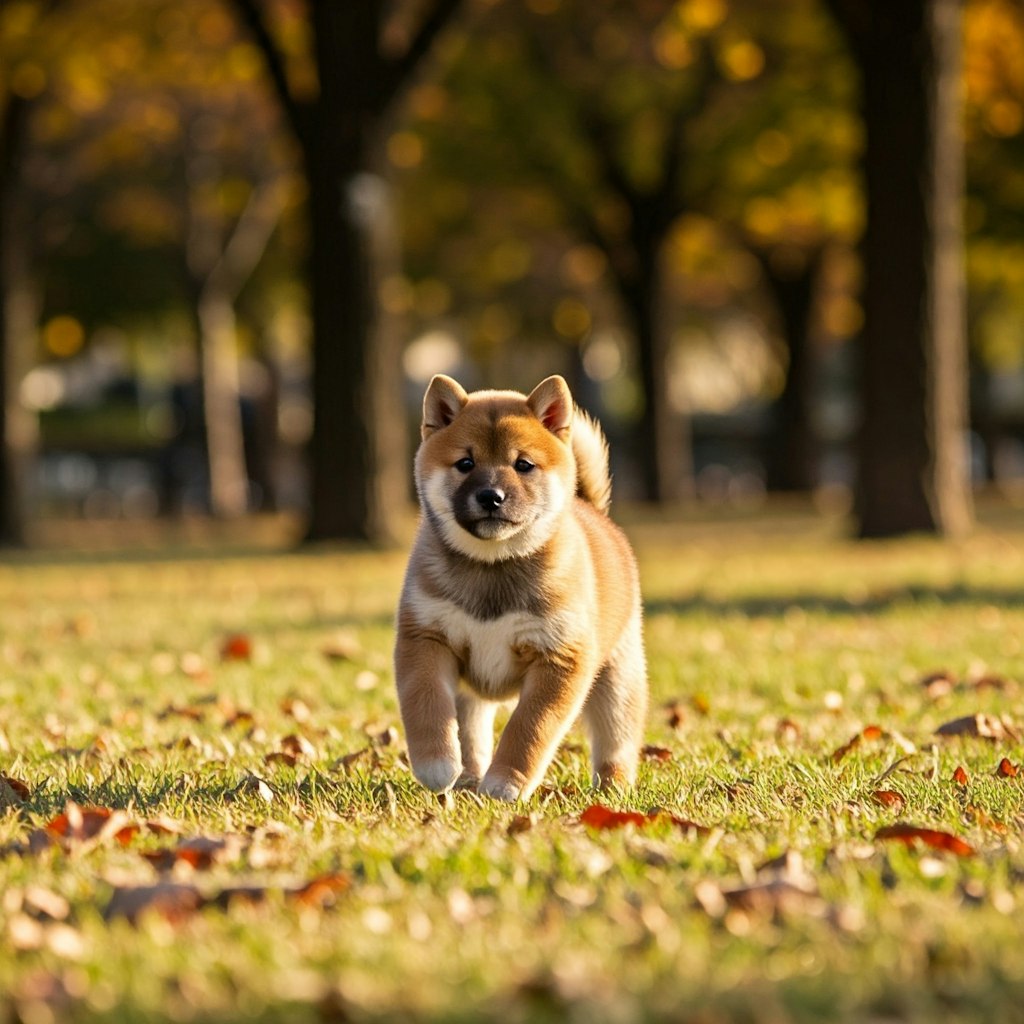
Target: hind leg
(616, 711)
(476, 736)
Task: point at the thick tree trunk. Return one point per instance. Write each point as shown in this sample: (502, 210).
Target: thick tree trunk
(18, 426)
(913, 472)
(791, 461)
(355, 382)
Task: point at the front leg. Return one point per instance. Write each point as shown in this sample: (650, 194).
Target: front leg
(426, 676)
(553, 694)
(476, 736)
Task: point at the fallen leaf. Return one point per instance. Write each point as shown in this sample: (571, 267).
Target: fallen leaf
(281, 757)
(19, 791)
(938, 684)
(652, 753)
(346, 761)
(1006, 769)
(788, 730)
(295, 707)
(519, 824)
(960, 776)
(890, 798)
(255, 785)
(297, 745)
(869, 732)
(604, 818)
(236, 647)
(198, 852)
(600, 817)
(675, 713)
(911, 834)
(84, 824)
(979, 817)
(322, 891)
(342, 647)
(987, 727)
(172, 901)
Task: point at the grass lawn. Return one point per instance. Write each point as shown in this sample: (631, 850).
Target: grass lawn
(262, 851)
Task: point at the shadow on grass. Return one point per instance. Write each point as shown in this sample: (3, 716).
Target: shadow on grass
(757, 605)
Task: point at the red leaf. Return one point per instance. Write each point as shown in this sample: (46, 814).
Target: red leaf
(599, 817)
(236, 647)
(960, 776)
(321, 891)
(79, 824)
(911, 834)
(869, 732)
(890, 798)
(1007, 769)
(199, 852)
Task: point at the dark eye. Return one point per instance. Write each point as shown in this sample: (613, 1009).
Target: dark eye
(465, 465)
(522, 465)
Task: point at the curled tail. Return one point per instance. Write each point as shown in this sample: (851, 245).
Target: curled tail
(590, 449)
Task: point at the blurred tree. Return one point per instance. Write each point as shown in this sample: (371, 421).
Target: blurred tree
(611, 121)
(21, 81)
(337, 72)
(913, 472)
(146, 191)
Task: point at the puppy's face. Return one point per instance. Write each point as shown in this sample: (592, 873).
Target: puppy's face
(495, 469)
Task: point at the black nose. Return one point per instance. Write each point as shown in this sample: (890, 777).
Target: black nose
(490, 498)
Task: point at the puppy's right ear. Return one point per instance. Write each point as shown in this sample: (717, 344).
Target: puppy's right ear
(441, 404)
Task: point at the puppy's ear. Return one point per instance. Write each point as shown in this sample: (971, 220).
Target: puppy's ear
(551, 402)
(441, 404)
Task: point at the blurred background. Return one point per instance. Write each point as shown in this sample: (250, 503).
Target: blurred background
(777, 246)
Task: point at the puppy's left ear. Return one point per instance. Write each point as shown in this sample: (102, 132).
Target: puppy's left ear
(551, 402)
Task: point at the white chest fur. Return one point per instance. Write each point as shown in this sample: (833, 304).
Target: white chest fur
(492, 650)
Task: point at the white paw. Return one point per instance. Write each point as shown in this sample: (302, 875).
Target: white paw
(439, 774)
(500, 788)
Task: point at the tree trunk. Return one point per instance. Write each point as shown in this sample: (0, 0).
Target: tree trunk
(791, 462)
(354, 387)
(661, 440)
(913, 471)
(18, 321)
(225, 448)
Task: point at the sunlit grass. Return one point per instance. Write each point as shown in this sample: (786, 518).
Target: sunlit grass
(772, 648)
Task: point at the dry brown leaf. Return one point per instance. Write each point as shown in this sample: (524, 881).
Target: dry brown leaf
(652, 753)
(938, 684)
(960, 776)
(296, 708)
(519, 824)
(19, 791)
(172, 901)
(1006, 769)
(297, 746)
(988, 727)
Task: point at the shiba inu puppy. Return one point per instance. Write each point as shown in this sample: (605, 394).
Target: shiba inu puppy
(519, 588)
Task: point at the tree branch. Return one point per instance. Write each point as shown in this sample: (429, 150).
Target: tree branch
(252, 17)
(404, 67)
